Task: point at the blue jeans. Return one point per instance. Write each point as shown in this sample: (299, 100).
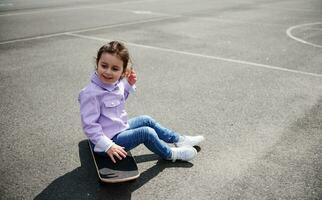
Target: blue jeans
(145, 130)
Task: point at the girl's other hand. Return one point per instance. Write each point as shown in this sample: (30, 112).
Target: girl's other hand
(116, 151)
(132, 77)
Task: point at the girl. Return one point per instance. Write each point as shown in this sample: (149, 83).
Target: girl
(104, 119)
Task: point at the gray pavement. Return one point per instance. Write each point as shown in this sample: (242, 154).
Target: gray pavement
(246, 75)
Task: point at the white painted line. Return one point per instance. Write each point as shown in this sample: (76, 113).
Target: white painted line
(204, 56)
(46, 10)
(142, 12)
(6, 4)
(124, 24)
(167, 16)
(99, 7)
(292, 9)
(88, 29)
(139, 12)
(289, 33)
(32, 38)
(88, 37)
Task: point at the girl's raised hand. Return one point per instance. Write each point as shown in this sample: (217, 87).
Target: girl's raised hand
(132, 77)
(116, 151)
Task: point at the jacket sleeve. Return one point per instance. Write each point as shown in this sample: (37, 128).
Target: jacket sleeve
(90, 113)
(128, 89)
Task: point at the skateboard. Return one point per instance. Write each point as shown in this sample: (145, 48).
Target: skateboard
(121, 171)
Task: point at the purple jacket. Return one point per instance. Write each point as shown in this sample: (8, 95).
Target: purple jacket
(102, 109)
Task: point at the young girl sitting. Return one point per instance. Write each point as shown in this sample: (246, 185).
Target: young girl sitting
(104, 119)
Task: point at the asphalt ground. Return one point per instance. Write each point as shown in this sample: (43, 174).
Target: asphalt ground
(245, 74)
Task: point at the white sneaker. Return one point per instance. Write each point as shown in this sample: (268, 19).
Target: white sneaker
(184, 153)
(189, 140)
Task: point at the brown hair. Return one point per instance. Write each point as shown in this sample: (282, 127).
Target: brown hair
(115, 48)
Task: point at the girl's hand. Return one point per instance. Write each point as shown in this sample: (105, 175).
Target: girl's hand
(116, 151)
(132, 77)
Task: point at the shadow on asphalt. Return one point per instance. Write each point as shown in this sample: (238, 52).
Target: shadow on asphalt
(83, 183)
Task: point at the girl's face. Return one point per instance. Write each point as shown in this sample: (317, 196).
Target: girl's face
(109, 68)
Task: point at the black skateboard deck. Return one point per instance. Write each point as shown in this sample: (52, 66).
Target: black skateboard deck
(121, 171)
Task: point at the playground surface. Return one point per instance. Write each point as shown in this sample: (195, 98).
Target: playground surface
(245, 74)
